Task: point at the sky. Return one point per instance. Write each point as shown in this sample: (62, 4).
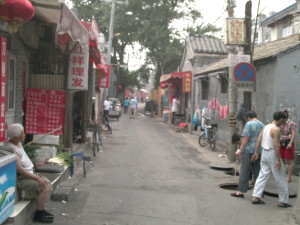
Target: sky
(214, 12)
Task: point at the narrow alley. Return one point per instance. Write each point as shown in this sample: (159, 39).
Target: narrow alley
(147, 174)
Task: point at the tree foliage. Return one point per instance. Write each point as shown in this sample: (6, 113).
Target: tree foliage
(150, 26)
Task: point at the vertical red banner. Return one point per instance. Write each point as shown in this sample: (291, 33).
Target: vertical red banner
(3, 44)
(104, 82)
(187, 82)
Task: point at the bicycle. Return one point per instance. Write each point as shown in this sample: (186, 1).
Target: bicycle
(105, 125)
(296, 170)
(208, 136)
(96, 138)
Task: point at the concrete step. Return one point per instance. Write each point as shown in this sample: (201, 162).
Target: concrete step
(24, 209)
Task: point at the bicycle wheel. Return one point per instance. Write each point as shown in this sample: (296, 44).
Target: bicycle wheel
(94, 143)
(104, 127)
(212, 141)
(97, 142)
(203, 141)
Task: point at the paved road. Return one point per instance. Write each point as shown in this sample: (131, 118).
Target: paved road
(149, 175)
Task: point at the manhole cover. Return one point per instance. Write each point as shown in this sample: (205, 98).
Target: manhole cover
(272, 191)
(229, 186)
(217, 166)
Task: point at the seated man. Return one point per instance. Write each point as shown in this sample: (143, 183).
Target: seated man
(27, 179)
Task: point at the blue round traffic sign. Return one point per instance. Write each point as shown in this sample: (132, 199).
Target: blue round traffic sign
(244, 72)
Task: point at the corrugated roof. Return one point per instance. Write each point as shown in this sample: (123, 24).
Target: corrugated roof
(207, 45)
(270, 49)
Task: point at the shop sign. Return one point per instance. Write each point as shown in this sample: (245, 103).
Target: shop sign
(45, 111)
(105, 82)
(187, 82)
(3, 44)
(78, 69)
(235, 31)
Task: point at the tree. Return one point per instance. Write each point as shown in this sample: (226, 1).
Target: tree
(150, 26)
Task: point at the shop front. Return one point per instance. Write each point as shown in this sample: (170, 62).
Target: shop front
(179, 85)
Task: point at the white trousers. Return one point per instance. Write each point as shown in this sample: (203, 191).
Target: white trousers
(267, 165)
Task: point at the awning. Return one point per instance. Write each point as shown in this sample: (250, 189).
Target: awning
(70, 29)
(47, 10)
(166, 77)
(94, 41)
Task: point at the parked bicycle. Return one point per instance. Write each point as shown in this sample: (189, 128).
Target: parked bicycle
(208, 136)
(96, 138)
(105, 124)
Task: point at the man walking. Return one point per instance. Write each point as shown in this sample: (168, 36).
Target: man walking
(126, 104)
(106, 105)
(247, 143)
(133, 104)
(269, 140)
(174, 108)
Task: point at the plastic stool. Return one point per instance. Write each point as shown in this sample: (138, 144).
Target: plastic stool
(84, 158)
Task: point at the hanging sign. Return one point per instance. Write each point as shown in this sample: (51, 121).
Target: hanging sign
(105, 81)
(78, 69)
(187, 82)
(235, 31)
(44, 111)
(3, 44)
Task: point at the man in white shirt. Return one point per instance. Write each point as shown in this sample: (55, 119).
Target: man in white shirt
(27, 179)
(133, 106)
(174, 107)
(271, 162)
(106, 106)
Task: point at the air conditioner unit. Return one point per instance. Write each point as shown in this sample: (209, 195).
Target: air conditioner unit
(31, 33)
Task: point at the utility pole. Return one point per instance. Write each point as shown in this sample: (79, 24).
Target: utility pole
(110, 38)
(232, 95)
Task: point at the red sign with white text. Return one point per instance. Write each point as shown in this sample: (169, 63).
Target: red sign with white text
(187, 82)
(78, 69)
(3, 44)
(45, 110)
(105, 82)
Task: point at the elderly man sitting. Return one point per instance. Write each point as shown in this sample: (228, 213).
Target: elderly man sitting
(27, 179)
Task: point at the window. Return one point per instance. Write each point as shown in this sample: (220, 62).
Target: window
(286, 31)
(267, 37)
(205, 88)
(11, 84)
(224, 83)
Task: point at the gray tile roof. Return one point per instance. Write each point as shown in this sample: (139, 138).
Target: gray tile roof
(277, 16)
(264, 51)
(207, 45)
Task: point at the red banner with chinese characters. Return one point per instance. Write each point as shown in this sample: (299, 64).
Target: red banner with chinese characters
(3, 44)
(187, 82)
(45, 110)
(104, 82)
(78, 69)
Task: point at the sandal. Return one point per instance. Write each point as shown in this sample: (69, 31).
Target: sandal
(258, 202)
(237, 195)
(289, 180)
(284, 205)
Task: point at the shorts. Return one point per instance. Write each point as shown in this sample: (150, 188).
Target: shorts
(287, 153)
(30, 185)
(132, 111)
